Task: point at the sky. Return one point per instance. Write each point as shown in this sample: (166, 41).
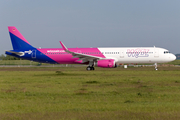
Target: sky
(92, 23)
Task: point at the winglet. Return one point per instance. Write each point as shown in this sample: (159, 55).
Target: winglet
(63, 46)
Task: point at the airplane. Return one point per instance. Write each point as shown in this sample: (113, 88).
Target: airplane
(100, 57)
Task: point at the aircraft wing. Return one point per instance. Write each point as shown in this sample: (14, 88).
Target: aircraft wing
(14, 52)
(83, 57)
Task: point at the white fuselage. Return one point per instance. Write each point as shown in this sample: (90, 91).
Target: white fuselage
(138, 54)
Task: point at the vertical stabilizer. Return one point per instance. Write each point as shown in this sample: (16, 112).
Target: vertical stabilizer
(17, 39)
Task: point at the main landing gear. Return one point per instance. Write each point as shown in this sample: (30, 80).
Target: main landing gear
(90, 68)
(155, 66)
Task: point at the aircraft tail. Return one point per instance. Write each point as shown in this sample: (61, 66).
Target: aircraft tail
(18, 41)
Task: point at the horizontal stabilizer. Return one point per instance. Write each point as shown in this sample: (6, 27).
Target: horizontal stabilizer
(16, 53)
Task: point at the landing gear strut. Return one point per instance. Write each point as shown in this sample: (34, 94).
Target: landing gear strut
(155, 66)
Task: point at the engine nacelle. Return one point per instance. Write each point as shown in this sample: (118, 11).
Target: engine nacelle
(107, 63)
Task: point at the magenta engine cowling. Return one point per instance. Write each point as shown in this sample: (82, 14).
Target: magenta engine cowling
(108, 63)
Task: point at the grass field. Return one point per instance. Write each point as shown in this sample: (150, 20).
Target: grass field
(76, 94)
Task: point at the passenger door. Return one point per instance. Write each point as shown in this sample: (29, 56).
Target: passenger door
(121, 53)
(156, 52)
(33, 54)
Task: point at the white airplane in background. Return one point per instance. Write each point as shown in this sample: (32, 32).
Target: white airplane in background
(101, 57)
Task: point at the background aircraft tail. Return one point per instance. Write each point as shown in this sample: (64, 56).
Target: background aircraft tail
(18, 41)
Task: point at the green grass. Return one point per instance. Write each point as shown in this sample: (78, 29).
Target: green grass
(17, 62)
(74, 93)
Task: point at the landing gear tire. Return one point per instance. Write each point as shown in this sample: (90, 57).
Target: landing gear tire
(89, 68)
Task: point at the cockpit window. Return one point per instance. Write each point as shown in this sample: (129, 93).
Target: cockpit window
(165, 52)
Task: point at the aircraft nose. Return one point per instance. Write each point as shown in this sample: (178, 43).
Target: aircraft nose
(173, 57)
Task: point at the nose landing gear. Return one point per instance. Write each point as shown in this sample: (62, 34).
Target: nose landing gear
(155, 66)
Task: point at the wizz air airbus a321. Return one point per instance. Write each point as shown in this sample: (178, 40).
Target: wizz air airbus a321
(101, 57)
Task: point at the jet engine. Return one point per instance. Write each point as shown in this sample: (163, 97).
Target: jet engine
(106, 63)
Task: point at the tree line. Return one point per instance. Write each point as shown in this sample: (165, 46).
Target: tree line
(7, 57)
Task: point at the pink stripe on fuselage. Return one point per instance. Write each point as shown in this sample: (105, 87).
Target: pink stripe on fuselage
(62, 57)
(15, 32)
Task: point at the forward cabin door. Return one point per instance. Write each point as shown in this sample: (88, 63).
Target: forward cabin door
(156, 52)
(121, 53)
